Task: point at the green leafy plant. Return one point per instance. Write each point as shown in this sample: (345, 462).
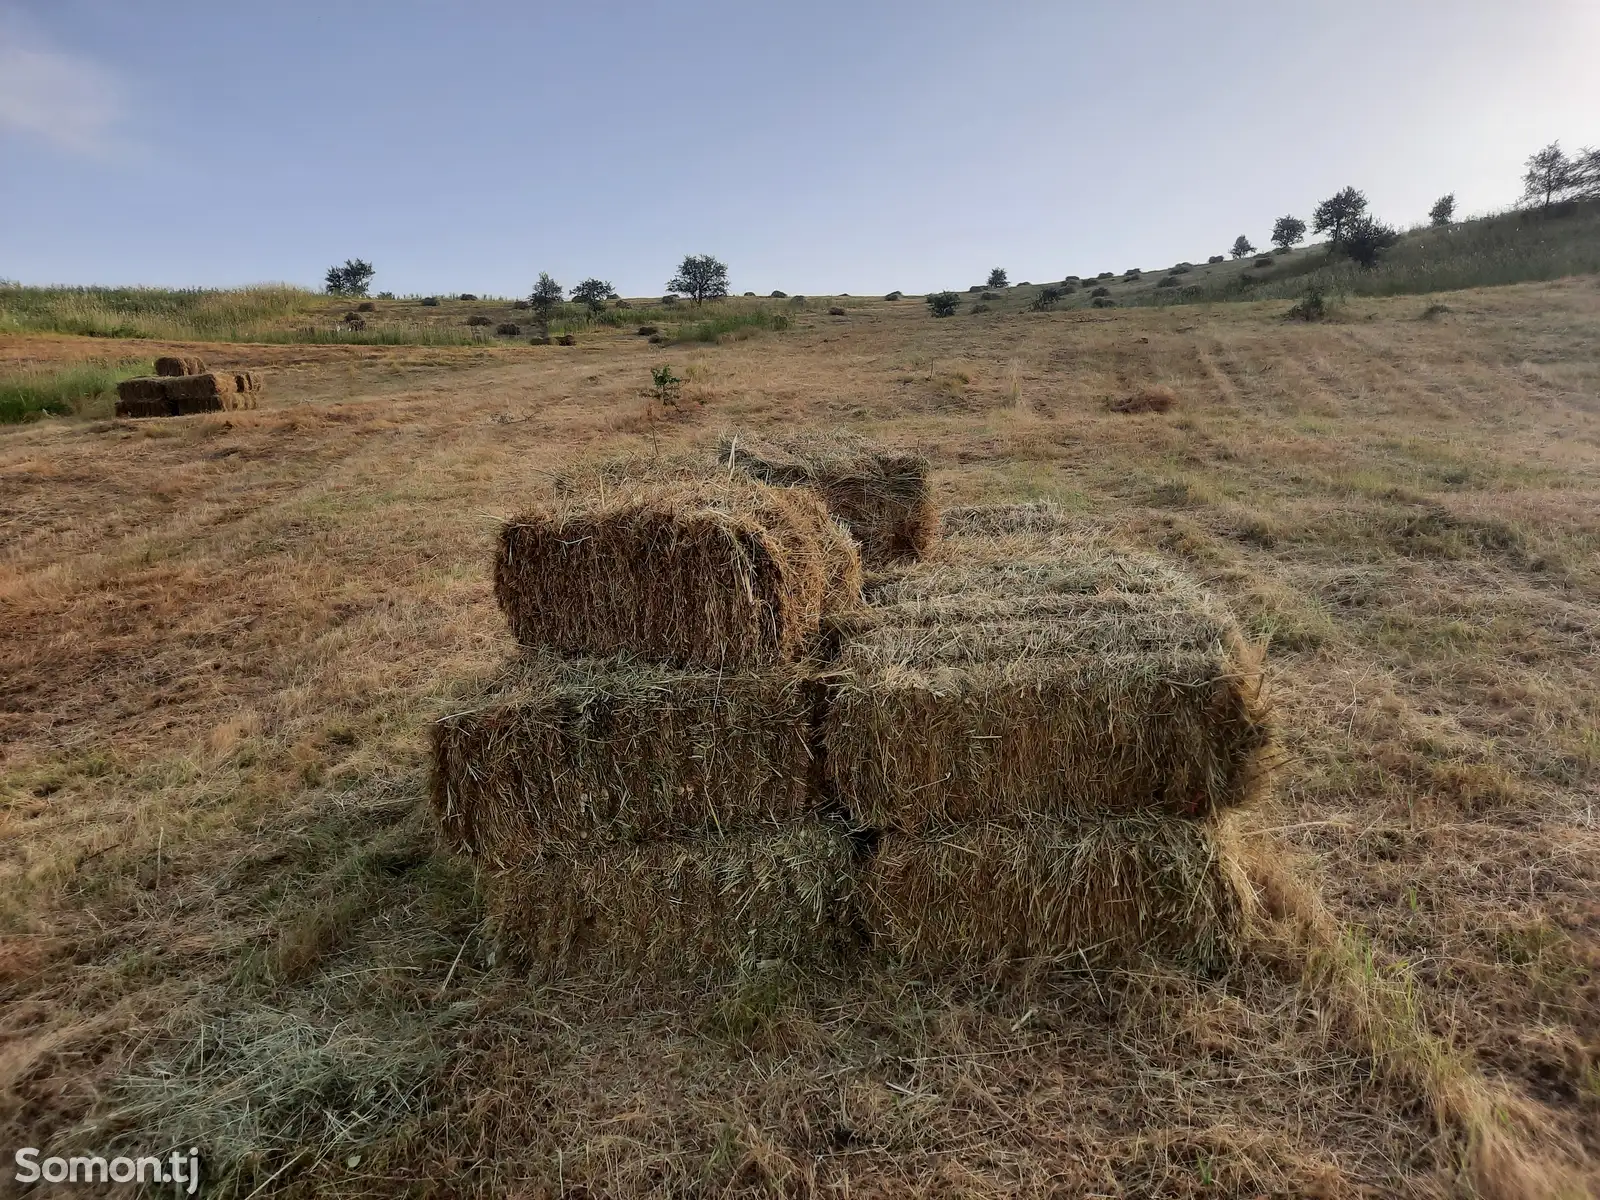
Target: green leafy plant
(666, 385)
(943, 304)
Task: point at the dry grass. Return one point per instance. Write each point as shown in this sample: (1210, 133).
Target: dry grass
(222, 639)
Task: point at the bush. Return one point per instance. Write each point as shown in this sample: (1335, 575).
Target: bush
(366, 306)
(1365, 240)
(988, 296)
(836, 311)
(645, 330)
(1216, 258)
(479, 319)
(666, 385)
(1184, 268)
(1071, 279)
(1104, 302)
(777, 295)
(430, 302)
(1069, 286)
(1169, 281)
(567, 339)
(749, 293)
(466, 296)
(670, 299)
(1132, 273)
(508, 329)
(1313, 306)
(943, 304)
(892, 296)
(1264, 261)
(979, 308)
(977, 287)
(1047, 299)
(520, 305)
(1106, 275)
(780, 321)
(797, 299)
(1100, 292)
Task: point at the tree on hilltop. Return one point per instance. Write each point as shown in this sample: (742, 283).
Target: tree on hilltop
(1443, 211)
(700, 277)
(349, 280)
(997, 278)
(1365, 240)
(593, 294)
(1550, 175)
(1242, 247)
(1335, 214)
(1286, 231)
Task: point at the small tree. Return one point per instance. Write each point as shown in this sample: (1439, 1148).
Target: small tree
(1242, 247)
(1336, 213)
(943, 304)
(1443, 211)
(543, 301)
(666, 385)
(1286, 231)
(997, 277)
(700, 277)
(1550, 176)
(349, 280)
(592, 294)
(1586, 174)
(1365, 240)
(1047, 299)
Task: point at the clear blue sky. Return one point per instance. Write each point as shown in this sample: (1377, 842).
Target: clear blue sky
(817, 147)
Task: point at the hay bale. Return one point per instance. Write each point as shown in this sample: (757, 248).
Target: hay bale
(142, 407)
(182, 395)
(588, 752)
(880, 494)
(1071, 681)
(179, 364)
(681, 907)
(729, 575)
(247, 381)
(1078, 891)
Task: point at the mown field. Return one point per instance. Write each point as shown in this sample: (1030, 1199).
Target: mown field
(225, 920)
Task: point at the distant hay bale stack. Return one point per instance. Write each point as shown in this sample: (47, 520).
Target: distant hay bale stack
(1095, 891)
(181, 395)
(1056, 678)
(687, 906)
(881, 495)
(179, 364)
(730, 575)
(588, 752)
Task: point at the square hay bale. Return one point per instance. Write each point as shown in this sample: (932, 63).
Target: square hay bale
(179, 364)
(179, 395)
(691, 906)
(880, 494)
(1073, 682)
(142, 407)
(585, 752)
(247, 381)
(731, 575)
(1077, 891)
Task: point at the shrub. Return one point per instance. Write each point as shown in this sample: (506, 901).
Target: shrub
(1106, 275)
(670, 299)
(1047, 299)
(1216, 258)
(508, 329)
(666, 385)
(979, 308)
(1264, 261)
(1071, 279)
(466, 296)
(366, 306)
(1168, 281)
(977, 287)
(836, 311)
(1184, 268)
(1104, 302)
(520, 305)
(430, 302)
(892, 296)
(943, 304)
(749, 293)
(1365, 240)
(988, 296)
(1100, 292)
(646, 330)
(1313, 306)
(1132, 273)
(567, 339)
(1069, 286)
(479, 319)
(777, 295)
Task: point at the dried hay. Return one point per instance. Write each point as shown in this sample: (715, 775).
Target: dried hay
(1081, 891)
(580, 752)
(1158, 399)
(880, 494)
(140, 407)
(995, 520)
(179, 364)
(1076, 681)
(247, 381)
(730, 575)
(178, 395)
(688, 906)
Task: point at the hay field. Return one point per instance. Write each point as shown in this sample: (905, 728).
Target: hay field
(225, 916)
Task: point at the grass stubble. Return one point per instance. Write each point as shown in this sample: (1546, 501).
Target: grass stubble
(226, 917)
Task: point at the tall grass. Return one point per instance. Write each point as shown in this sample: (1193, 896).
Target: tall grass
(1512, 247)
(188, 314)
(84, 389)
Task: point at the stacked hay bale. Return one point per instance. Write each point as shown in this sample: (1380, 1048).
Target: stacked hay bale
(640, 787)
(1045, 734)
(709, 750)
(182, 385)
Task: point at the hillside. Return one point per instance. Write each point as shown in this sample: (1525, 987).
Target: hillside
(226, 916)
